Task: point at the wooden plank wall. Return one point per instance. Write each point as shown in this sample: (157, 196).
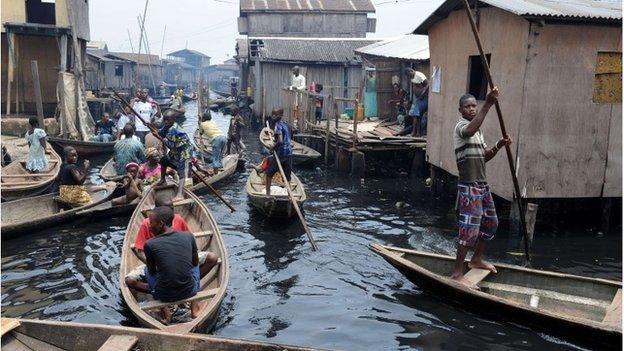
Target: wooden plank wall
(451, 43)
(45, 51)
(384, 71)
(276, 76)
(327, 25)
(565, 136)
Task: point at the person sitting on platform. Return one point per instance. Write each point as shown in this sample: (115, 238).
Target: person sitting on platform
(72, 178)
(128, 150)
(131, 184)
(179, 145)
(36, 138)
(216, 138)
(283, 148)
(174, 267)
(104, 128)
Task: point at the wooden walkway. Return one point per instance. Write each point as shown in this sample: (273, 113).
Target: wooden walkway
(371, 136)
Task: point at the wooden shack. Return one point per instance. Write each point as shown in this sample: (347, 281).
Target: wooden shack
(193, 58)
(390, 58)
(149, 67)
(295, 18)
(39, 31)
(180, 73)
(104, 72)
(558, 67)
(331, 62)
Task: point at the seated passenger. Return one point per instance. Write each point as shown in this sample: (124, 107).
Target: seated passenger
(173, 267)
(132, 185)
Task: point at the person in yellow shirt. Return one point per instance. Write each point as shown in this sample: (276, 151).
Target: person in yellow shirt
(209, 128)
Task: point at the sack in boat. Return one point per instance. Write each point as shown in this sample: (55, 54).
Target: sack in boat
(277, 190)
(74, 194)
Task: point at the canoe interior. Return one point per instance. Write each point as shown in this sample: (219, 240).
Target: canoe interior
(558, 294)
(108, 172)
(40, 207)
(274, 205)
(208, 238)
(230, 162)
(53, 335)
(82, 147)
(15, 176)
(301, 153)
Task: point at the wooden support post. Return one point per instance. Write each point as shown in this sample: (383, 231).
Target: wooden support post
(355, 121)
(358, 164)
(530, 213)
(34, 68)
(343, 162)
(63, 51)
(434, 180)
(10, 68)
(418, 163)
(331, 108)
(336, 126)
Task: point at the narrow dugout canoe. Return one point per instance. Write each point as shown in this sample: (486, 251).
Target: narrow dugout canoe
(301, 153)
(587, 309)
(84, 148)
(230, 163)
(108, 172)
(44, 211)
(17, 182)
(212, 286)
(274, 205)
(28, 334)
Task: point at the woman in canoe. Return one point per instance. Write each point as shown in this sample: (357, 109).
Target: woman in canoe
(72, 178)
(37, 161)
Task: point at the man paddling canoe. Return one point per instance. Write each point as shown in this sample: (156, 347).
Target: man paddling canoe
(477, 215)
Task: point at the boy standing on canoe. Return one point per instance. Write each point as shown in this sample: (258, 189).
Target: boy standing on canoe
(477, 215)
(179, 153)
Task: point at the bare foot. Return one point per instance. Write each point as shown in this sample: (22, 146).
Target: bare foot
(196, 307)
(482, 265)
(467, 283)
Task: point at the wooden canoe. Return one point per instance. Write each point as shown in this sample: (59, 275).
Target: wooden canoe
(84, 148)
(44, 211)
(28, 334)
(108, 172)
(213, 285)
(587, 309)
(274, 205)
(301, 153)
(17, 182)
(230, 162)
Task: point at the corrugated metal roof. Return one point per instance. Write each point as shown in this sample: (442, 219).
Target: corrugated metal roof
(142, 59)
(179, 53)
(307, 5)
(406, 47)
(103, 55)
(573, 10)
(319, 50)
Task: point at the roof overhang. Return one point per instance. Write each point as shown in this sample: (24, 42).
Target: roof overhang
(47, 30)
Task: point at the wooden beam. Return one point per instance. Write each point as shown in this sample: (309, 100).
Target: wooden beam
(614, 311)
(63, 49)
(202, 295)
(119, 343)
(34, 69)
(8, 324)
(476, 275)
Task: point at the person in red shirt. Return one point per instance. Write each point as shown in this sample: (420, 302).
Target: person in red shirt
(145, 234)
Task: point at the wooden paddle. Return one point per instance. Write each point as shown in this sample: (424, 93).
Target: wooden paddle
(155, 133)
(294, 202)
(501, 122)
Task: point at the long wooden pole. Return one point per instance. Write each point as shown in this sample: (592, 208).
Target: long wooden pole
(34, 69)
(155, 133)
(501, 122)
(294, 202)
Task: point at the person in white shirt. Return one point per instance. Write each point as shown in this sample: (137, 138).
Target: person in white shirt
(298, 83)
(124, 117)
(146, 110)
(298, 80)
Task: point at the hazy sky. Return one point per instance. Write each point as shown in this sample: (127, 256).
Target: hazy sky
(210, 26)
